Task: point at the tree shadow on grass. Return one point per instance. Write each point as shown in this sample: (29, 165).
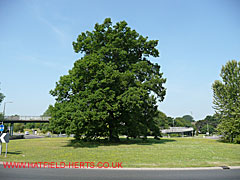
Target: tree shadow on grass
(123, 141)
(225, 141)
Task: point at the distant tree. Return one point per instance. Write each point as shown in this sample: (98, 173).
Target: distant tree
(185, 121)
(170, 121)
(207, 128)
(188, 118)
(226, 99)
(181, 122)
(212, 121)
(1, 97)
(30, 125)
(113, 88)
(18, 127)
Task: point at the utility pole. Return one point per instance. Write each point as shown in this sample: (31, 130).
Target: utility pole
(207, 129)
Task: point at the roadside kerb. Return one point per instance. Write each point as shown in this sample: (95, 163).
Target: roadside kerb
(153, 169)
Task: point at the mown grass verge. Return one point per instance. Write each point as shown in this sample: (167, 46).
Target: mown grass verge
(167, 152)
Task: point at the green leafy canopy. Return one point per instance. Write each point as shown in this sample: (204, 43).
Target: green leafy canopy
(113, 89)
(226, 94)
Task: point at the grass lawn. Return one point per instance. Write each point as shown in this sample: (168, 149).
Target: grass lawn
(167, 152)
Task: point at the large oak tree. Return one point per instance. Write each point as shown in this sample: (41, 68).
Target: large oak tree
(113, 89)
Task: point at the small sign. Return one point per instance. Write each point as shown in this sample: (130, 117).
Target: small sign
(4, 138)
(1, 127)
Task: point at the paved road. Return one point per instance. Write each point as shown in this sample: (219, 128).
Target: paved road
(101, 174)
(32, 136)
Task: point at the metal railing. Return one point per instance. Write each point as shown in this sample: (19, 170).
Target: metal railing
(26, 118)
(177, 130)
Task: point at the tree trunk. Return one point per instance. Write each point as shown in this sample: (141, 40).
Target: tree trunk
(113, 135)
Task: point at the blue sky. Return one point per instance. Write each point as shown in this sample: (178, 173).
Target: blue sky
(195, 39)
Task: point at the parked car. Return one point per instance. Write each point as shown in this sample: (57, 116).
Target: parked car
(26, 133)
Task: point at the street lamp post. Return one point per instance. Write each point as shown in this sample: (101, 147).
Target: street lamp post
(4, 108)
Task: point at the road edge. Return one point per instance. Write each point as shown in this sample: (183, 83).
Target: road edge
(152, 169)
